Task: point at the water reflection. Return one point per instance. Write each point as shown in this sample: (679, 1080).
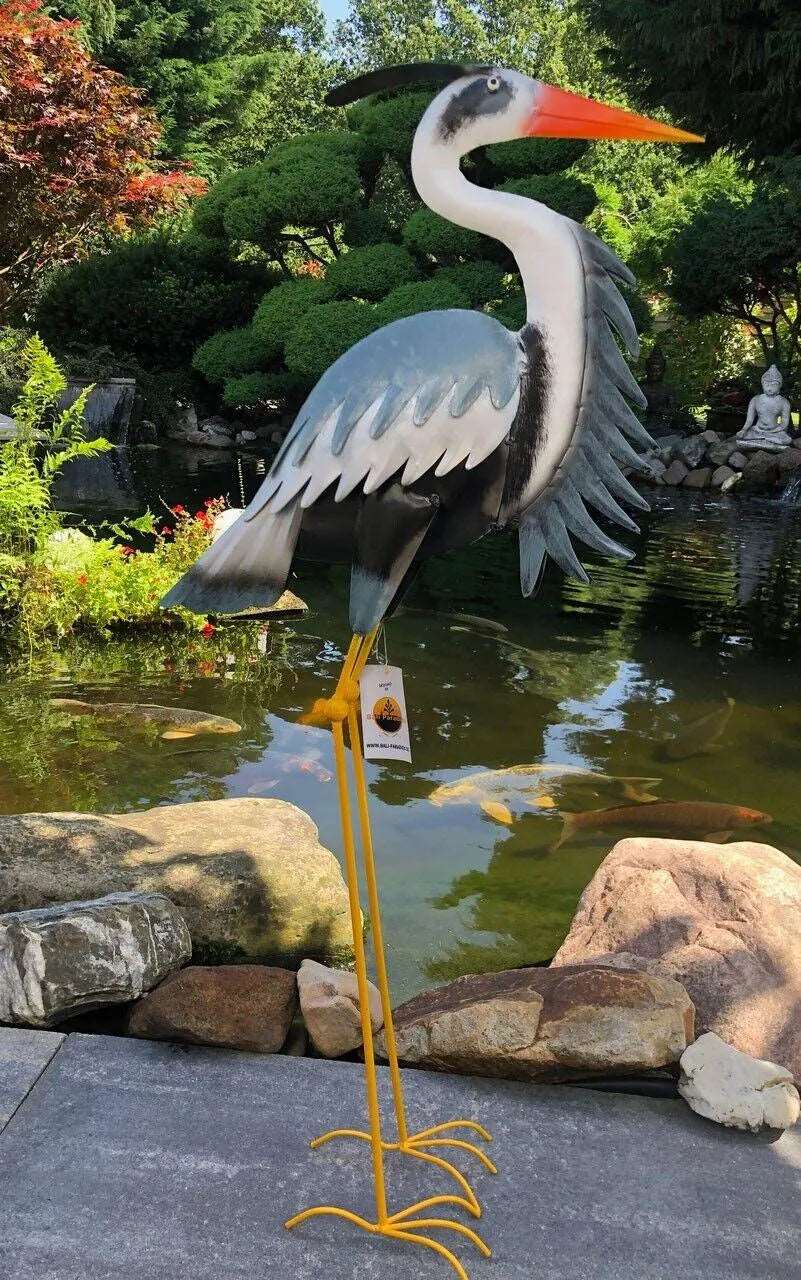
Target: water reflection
(599, 677)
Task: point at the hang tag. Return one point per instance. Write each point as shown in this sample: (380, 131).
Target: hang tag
(385, 728)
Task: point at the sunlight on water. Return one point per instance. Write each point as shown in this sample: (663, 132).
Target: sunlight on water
(611, 679)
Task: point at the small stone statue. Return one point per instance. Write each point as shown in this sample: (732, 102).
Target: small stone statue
(768, 416)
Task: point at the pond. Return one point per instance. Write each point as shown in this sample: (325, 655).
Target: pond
(605, 678)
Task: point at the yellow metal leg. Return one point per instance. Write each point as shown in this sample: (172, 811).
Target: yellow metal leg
(402, 1225)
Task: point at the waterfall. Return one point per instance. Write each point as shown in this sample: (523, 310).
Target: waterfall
(104, 482)
(108, 409)
(790, 495)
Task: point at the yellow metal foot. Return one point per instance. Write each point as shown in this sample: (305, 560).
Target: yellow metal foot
(401, 1226)
(416, 1145)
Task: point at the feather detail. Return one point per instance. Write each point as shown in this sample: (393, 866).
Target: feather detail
(558, 544)
(532, 555)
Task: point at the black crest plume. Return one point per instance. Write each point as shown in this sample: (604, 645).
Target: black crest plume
(398, 77)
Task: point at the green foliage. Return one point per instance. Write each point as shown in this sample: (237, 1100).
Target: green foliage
(424, 295)
(227, 78)
(324, 334)
(12, 366)
(569, 196)
(371, 272)
(700, 353)
(27, 516)
(152, 299)
(254, 389)
(480, 281)
(726, 68)
(227, 354)
(431, 236)
(526, 156)
(281, 308)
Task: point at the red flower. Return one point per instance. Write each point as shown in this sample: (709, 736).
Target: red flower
(209, 502)
(178, 510)
(165, 531)
(81, 579)
(206, 668)
(208, 630)
(128, 551)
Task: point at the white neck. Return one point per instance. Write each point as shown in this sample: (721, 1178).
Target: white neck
(547, 255)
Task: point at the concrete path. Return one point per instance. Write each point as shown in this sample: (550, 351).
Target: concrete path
(142, 1161)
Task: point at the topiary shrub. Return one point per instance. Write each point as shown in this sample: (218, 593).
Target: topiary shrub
(431, 236)
(371, 272)
(253, 389)
(320, 337)
(525, 156)
(282, 306)
(232, 352)
(423, 295)
(480, 280)
(569, 196)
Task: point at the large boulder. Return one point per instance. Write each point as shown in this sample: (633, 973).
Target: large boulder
(722, 919)
(59, 961)
(329, 1002)
(249, 875)
(692, 450)
(675, 472)
(736, 1090)
(233, 1006)
(547, 1024)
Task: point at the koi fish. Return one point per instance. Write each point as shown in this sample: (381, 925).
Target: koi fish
(700, 737)
(666, 817)
(183, 722)
(495, 790)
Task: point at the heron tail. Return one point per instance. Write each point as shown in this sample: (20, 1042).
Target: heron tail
(246, 567)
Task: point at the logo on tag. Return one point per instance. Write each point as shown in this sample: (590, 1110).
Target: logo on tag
(385, 728)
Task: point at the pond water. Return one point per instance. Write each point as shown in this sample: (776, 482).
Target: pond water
(603, 678)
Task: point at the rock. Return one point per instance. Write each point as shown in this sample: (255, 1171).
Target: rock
(217, 425)
(146, 433)
(59, 961)
(245, 437)
(277, 437)
(249, 875)
(232, 1006)
(788, 460)
(731, 482)
(737, 460)
(8, 428)
(691, 451)
(720, 454)
(656, 468)
(710, 437)
(736, 1090)
(185, 425)
(546, 1024)
(675, 472)
(209, 440)
(698, 479)
(722, 919)
(329, 1002)
(720, 475)
(760, 470)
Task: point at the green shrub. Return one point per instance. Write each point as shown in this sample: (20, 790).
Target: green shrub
(480, 280)
(431, 236)
(526, 156)
(155, 299)
(282, 307)
(321, 336)
(371, 272)
(512, 311)
(253, 389)
(366, 226)
(227, 354)
(424, 295)
(569, 196)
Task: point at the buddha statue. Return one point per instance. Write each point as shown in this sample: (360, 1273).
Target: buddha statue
(768, 416)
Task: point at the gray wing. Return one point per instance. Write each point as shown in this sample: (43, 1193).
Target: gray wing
(591, 472)
(430, 390)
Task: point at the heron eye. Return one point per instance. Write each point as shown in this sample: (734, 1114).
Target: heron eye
(493, 84)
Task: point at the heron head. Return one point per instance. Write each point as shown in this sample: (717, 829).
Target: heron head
(481, 105)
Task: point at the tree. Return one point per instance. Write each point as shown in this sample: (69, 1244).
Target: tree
(336, 212)
(726, 68)
(739, 258)
(227, 78)
(76, 151)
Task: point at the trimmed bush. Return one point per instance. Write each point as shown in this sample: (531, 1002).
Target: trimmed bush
(282, 307)
(481, 281)
(371, 272)
(525, 156)
(321, 336)
(232, 352)
(569, 196)
(425, 295)
(428, 234)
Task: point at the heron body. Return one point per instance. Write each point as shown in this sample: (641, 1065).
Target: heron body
(442, 426)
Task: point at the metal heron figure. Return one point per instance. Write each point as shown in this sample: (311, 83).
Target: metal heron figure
(423, 437)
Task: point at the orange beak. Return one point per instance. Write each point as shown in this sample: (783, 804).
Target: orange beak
(560, 114)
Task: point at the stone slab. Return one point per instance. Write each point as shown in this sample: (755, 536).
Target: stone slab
(137, 1159)
(23, 1057)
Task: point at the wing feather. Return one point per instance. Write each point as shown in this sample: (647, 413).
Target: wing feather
(435, 389)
